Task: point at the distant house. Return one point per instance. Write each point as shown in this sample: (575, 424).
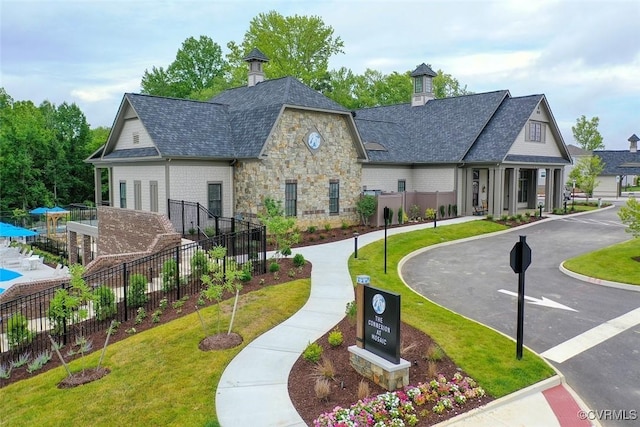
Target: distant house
(620, 169)
(281, 139)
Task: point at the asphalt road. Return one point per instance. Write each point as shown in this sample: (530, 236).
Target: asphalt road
(471, 278)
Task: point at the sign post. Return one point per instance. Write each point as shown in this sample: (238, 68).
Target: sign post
(520, 261)
(386, 221)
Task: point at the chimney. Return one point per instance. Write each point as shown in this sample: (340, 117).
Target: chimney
(633, 143)
(255, 59)
(422, 85)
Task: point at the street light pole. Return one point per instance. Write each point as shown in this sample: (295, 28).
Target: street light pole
(355, 243)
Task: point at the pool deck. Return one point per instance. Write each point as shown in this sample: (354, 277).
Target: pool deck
(43, 272)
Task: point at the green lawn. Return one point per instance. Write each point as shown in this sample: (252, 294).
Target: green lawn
(613, 263)
(158, 377)
(483, 353)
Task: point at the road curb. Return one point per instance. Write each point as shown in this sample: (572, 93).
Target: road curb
(600, 282)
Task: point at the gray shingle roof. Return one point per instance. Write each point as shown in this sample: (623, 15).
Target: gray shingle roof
(185, 128)
(132, 153)
(423, 70)
(519, 158)
(496, 139)
(619, 162)
(441, 131)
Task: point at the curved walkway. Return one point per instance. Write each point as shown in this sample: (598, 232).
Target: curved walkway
(253, 388)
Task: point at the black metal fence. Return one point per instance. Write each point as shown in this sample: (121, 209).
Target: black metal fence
(195, 221)
(148, 282)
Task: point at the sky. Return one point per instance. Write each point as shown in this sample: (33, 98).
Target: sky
(583, 55)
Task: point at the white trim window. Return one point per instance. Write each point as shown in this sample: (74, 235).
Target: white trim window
(536, 131)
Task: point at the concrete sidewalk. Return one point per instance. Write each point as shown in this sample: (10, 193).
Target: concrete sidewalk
(253, 388)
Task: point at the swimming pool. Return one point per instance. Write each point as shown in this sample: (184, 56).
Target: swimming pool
(6, 275)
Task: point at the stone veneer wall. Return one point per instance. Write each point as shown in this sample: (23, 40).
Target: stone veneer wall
(289, 158)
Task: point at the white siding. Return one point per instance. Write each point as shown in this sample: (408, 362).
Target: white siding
(530, 148)
(608, 187)
(130, 173)
(386, 178)
(189, 182)
(125, 139)
(434, 179)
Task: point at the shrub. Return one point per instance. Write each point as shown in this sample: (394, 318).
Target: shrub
(22, 360)
(455, 210)
(141, 314)
(449, 209)
(414, 212)
(490, 217)
(504, 217)
(273, 267)
(527, 214)
(365, 207)
(155, 317)
(441, 211)
(311, 229)
(351, 311)
(400, 216)
(210, 231)
(519, 217)
(434, 353)
(104, 302)
(137, 292)
(322, 388)
(199, 264)
(298, 260)
(430, 214)
(286, 251)
(325, 369)
(18, 332)
(327, 226)
(335, 338)
(169, 275)
(344, 225)
(5, 371)
(432, 369)
(312, 353)
(245, 273)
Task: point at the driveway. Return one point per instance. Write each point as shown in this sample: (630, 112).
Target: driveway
(474, 278)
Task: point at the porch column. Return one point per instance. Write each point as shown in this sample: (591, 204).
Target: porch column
(97, 189)
(548, 191)
(513, 191)
(491, 191)
(86, 249)
(558, 188)
(72, 247)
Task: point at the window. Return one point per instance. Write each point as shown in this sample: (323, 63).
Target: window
(523, 186)
(536, 132)
(137, 195)
(123, 194)
(417, 85)
(402, 186)
(290, 198)
(334, 197)
(153, 196)
(214, 198)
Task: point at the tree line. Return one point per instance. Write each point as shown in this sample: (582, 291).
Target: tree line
(43, 148)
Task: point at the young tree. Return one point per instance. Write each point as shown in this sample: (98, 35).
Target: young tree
(586, 133)
(630, 215)
(279, 227)
(585, 173)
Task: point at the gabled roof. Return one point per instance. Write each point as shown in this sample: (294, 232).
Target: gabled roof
(441, 131)
(619, 162)
(498, 136)
(254, 109)
(574, 150)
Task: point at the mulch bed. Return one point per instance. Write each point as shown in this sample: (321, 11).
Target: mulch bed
(344, 386)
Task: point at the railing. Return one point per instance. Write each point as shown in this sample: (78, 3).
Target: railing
(84, 215)
(170, 275)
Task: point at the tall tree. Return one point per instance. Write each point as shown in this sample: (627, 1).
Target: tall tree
(586, 133)
(198, 65)
(298, 46)
(445, 85)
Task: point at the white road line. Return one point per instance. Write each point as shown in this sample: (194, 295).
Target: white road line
(593, 337)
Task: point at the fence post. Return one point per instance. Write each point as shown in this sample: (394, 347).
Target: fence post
(182, 206)
(217, 224)
(264, 249)
(198, 218)
(178, 275)
(169, 209)
(124, 287)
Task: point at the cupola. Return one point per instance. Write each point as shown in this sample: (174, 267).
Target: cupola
(422, 85)
(255, 59)
(633, 143)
